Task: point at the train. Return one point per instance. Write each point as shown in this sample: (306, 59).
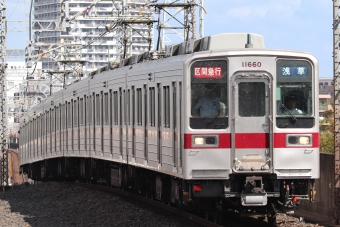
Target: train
(212, 124)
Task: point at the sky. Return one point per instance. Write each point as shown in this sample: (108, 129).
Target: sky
(304, 25)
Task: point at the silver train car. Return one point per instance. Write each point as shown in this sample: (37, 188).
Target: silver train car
(211, 124)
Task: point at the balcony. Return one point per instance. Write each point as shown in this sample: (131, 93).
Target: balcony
(45, 2)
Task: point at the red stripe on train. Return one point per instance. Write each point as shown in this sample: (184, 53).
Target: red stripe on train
(252, 140)
(249, 140)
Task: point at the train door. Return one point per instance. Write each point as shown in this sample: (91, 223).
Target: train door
(152, 136)
(97, 110)
(251, 128)
(89, 122)
(116, 125)
(145, 123)
(130, 124)
(69, 128)
(58, 147)
(82, 134)
(38, 137)
(106, 127)
(63, 129)
(75, 128)
(124, 125)
(53, 134)
(48, 133)
(120, 121)
(139, 130)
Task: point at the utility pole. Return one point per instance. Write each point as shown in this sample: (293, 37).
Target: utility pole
(336, 72)
(3, 95)
(201, 19)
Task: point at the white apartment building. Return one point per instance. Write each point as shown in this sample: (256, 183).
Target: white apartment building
(326, 95)
(86, 28)
(24, 90)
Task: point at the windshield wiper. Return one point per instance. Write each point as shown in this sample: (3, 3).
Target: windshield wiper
(209, 122)
(291, 115)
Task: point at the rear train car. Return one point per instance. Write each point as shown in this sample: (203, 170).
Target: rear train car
(210, 124)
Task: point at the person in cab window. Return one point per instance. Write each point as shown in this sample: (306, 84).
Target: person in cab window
(209, 104)
(290, 106)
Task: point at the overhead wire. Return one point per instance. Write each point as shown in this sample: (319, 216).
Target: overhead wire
(35, 66)
(15, 7)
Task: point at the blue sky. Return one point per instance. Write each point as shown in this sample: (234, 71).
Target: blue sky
(304, 25)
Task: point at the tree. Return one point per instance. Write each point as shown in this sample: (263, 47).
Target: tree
(327, 132)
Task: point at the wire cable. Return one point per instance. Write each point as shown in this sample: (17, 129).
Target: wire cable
(15, 7)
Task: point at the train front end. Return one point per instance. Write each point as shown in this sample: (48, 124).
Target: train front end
(253, 129)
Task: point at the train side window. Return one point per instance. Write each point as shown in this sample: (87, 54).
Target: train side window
(133, 106)
(139, 106)
(75, 113)
(69, 115)
(38, 133)
(40, 122)
(97, 109)
(110, 106)
(57, 118)
(48, 123)
(106, 108)
(53, 121)
(120, 105)
(89, 110)
(62, 119)
(152, 106)
(128, 106)
(115, 108)
(81, 111)
(166, 106)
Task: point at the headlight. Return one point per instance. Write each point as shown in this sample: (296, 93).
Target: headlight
(199, 140)
(304, 140)
(205, 141)
(299, 140)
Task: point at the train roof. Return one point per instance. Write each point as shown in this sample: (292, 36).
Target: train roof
(228, 44)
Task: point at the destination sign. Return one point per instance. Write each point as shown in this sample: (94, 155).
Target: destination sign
(208, 72)
(293, 71)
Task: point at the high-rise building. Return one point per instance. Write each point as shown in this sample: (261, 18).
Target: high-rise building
(86, 38)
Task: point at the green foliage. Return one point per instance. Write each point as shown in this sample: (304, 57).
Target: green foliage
(327, 132)
(327, 142)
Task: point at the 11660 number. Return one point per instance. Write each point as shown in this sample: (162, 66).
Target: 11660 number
(251, 64)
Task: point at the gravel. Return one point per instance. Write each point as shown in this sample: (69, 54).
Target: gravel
(56, 204)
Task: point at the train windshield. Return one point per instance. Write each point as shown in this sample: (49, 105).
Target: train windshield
(209, 106)
(294, 91)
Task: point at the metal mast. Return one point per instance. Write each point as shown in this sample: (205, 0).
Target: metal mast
(171, 27)
(3, 108)
(336, 38)
(201, 19)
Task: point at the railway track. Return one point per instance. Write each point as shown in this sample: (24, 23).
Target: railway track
(229, 218)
